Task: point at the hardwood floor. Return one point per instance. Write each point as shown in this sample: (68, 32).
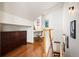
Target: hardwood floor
(30, 50)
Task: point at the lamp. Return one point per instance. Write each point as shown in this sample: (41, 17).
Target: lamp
(71, 10)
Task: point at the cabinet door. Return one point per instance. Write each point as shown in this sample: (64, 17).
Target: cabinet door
(20, 38)
(0, 44)
(12, 40)
(4, 43)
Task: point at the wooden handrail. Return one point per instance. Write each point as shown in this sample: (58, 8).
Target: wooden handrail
(51, 44)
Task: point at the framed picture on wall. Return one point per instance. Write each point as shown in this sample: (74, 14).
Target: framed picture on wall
(46, 23)
(73, 29)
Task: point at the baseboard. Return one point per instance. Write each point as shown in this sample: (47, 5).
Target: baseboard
(29, 43)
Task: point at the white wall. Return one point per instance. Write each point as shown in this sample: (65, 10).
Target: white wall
(12, 19)
(55, 21)
(6, 18)
(30, 35)
(73, 50)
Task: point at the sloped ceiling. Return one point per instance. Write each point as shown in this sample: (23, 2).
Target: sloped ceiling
(27, 10)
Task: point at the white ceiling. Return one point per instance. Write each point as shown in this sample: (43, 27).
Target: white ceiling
(27, 10)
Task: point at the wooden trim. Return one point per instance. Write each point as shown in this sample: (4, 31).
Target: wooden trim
(44, 43)
(49, 50)
(51, 44)
(29, 43)
(56, 42)
(47, 29)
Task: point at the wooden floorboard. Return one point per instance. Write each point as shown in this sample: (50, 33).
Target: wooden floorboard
(30, 50)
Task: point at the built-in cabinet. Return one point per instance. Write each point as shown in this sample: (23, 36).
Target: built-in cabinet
(11, 40)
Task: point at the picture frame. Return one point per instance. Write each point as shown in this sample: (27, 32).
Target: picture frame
(46, 23)
(73, 29)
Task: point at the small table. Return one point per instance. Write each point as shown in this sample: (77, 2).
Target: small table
(38, 34)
